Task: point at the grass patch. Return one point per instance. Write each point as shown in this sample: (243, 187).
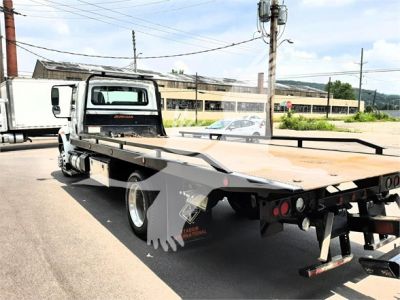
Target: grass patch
(370, 117)
(289, 121)
(186, 123)
(278, 119)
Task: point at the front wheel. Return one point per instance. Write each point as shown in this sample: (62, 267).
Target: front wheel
(61, 163)
(137, 202)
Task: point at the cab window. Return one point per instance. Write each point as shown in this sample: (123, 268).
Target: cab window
(119, 95)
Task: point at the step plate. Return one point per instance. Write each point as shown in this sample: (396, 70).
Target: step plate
(387, 265)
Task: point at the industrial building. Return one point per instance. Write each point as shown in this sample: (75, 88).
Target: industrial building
(216, 97)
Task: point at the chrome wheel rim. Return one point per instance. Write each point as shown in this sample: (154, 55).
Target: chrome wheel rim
(137, 205)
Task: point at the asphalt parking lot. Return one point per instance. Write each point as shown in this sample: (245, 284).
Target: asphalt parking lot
(61, 239)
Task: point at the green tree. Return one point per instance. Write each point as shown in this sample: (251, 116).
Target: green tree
(341, 90)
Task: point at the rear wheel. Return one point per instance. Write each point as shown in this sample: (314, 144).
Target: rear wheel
(137, 202)
(242, 204)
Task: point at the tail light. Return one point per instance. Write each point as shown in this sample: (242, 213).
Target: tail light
(284, 208)
(388, 182)
(275, 212)
(396, 180)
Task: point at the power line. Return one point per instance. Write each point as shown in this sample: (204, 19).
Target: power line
(152, 12)
(130, 57)
(338, 73)
(106, 2)
(56, 6)
(93, 10)
(110, 23)
(199, 37)
(31, 52)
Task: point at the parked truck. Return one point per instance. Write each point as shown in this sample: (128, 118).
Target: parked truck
(24, 109)
(115, 135)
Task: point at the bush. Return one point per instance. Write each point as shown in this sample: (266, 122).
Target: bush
(289, 121)
(186, 123)
(370, 117)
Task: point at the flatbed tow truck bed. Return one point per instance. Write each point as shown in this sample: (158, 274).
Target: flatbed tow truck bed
(173, 183)
(306, 168)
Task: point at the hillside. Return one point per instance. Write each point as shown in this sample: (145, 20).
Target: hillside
(383, 101)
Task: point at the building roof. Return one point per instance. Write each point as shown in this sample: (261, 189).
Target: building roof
(88, 68)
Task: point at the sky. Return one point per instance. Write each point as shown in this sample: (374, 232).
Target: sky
(327, 36)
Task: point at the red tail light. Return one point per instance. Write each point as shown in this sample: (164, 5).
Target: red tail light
(275, 212)
(284, 208)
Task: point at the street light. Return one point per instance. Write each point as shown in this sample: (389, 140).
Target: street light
(135, 61)
(286, 40)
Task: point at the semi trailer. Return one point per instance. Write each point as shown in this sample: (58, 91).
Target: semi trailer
(115, 136)
(24, 109)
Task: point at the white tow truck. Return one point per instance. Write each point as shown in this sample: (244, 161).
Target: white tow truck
(115, 135)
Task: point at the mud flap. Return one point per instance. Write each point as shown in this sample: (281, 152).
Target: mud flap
(176, 217)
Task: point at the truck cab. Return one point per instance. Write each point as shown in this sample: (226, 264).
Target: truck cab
(111, 106)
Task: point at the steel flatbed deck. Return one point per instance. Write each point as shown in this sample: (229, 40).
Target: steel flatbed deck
(306, 168)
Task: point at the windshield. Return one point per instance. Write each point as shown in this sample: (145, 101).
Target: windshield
(219, 124)
(119, 95)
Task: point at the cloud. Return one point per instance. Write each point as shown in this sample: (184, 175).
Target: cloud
(327, 2)
(62, 28)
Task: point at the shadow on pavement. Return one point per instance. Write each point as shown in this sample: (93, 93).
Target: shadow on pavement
(234, 262)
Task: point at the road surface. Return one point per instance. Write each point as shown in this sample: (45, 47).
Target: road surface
(61, 239)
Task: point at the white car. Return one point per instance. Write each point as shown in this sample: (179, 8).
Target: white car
(251, 128)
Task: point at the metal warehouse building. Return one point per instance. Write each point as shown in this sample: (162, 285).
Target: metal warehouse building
(217, 97)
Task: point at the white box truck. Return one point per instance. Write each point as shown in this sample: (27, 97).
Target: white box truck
(25, 111)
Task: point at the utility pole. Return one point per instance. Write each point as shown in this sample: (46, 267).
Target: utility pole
(197, 91)
(134, 51)
(272, 67)
(373, 101)
(361, 75)
(12, 65)
(329, 98)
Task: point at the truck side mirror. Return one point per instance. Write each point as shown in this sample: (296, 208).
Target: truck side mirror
(55, 96)
(56, 110)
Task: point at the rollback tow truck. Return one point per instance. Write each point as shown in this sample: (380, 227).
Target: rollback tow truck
(115, 135)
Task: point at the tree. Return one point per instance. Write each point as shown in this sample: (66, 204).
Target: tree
(180, 72)
(341, 90)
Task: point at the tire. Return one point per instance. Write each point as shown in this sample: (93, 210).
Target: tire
(241, 203)
(221, 138)
(255, 138)
(63, 170)
(137, 204)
